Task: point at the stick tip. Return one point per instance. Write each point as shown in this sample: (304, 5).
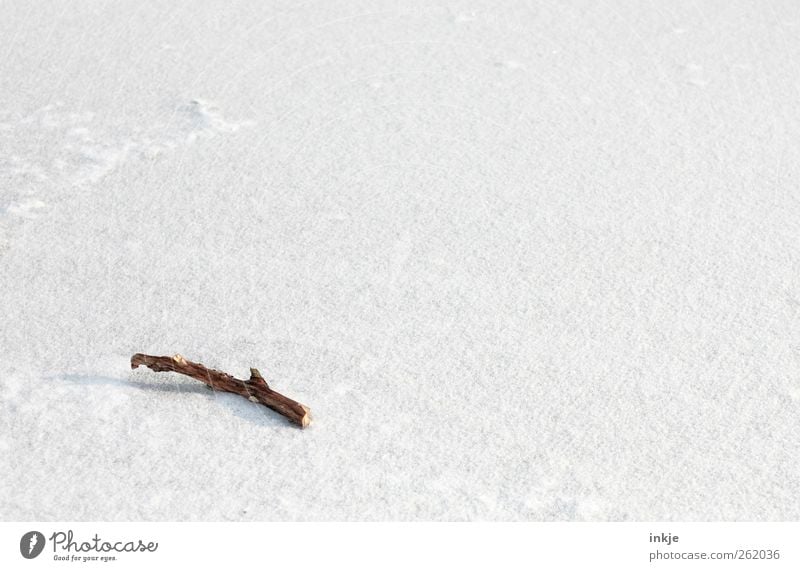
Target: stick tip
(136, 360)
(306, 420)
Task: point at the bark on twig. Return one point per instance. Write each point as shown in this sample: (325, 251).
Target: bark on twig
(255, 388)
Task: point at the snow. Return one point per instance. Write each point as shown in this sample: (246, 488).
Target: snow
(521, 261)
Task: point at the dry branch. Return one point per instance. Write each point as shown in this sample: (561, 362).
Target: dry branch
(255, 388)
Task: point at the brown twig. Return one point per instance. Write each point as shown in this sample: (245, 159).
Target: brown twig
(255, 388)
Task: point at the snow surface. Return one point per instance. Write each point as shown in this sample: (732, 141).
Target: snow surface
(522, 260)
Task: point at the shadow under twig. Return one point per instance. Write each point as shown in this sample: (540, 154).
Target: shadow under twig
(240, 407)
(182, 387)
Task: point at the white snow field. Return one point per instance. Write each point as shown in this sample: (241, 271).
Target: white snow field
(522, 260)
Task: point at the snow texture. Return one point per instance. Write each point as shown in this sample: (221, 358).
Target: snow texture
(523, 260)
